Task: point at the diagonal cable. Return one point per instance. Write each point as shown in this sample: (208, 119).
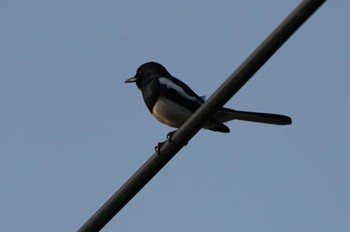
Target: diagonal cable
(229, 88)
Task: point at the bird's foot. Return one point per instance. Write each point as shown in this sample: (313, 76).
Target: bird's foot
(160, 144)
(170, 134)
(157, 148)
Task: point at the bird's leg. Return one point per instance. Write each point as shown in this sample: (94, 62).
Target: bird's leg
(157, 148)
(170, 134)
(160, 144)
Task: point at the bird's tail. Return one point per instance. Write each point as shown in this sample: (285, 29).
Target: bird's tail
(226, 114)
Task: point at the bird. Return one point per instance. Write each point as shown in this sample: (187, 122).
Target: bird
(172, 102)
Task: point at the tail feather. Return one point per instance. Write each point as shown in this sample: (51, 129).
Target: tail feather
(220, 128)
(226, 114)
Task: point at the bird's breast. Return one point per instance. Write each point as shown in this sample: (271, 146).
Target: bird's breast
(169, 112)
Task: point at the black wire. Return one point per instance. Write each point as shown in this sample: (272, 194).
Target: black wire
(230, 87)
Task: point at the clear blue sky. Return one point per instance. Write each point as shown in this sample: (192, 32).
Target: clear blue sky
(71, 132)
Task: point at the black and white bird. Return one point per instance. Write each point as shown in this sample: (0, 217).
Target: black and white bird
(172, 102)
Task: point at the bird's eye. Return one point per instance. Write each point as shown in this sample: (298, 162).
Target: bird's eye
(139, 72)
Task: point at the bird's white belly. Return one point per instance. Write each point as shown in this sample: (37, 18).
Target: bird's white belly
(170, 113)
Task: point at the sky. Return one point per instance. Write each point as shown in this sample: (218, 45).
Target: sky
(71, 131)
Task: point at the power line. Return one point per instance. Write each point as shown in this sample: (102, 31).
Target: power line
(230, 87)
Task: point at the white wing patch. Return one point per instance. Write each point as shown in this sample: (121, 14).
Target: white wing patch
(171, 85)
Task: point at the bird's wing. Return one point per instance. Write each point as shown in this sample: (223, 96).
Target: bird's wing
(179, 92)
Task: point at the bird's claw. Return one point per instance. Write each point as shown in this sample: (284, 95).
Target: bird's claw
(160, 144)
(170, 135)
(157, 148)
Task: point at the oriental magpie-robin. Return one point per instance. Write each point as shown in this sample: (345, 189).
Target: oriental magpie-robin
(172, 102)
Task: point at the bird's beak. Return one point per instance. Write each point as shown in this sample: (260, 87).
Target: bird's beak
(132, 79)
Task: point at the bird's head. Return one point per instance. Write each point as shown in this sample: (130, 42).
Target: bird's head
(148, 72)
